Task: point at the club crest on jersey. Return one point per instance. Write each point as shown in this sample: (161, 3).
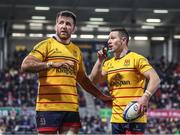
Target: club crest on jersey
(126, 62)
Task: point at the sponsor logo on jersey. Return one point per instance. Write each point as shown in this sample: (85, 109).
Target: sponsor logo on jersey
(69, 71)
(116, 80)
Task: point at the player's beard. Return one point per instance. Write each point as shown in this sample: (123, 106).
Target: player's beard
(64, 36)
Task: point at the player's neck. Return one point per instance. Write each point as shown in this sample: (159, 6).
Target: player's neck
(121, 54)
(65, 42)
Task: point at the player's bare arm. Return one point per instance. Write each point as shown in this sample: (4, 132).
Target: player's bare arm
(34, 65)
(152, 86)
(153, 82)
(86, 83)
(97, 75)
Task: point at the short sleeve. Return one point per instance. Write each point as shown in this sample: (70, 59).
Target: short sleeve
(105, 66)
(142, 64)
(40, 51)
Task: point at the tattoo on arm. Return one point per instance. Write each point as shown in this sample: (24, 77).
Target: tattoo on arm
(32, 64)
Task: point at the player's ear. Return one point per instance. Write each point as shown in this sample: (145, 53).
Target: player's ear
(55, 27)
(74, 30)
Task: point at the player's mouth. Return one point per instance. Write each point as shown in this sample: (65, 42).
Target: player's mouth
(63, 32)
(109, 47)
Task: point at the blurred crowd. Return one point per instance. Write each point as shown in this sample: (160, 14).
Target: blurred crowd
(163, 126)
(16, 121)
(168, 94)
(18, 89)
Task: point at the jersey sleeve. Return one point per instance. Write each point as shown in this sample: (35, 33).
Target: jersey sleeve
(40, 51)
(142, 64)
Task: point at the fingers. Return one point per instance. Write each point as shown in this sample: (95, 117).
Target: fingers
(143, 108)
(143, 104)
(71, 63)
(64, 64)
(102, 54)
(104, 50)
(67, 64)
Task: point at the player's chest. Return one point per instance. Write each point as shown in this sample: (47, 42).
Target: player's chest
(120, 64)
(64, 52)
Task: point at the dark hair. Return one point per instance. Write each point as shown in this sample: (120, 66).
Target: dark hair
(67, 14)
(123, 32)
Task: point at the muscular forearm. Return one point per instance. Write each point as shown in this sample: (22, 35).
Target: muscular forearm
(33, 65)
(90, 88)
(96, 72)
(153, 85)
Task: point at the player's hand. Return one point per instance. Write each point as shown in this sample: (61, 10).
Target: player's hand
(102, 54)
(143, 101)
(64, 64)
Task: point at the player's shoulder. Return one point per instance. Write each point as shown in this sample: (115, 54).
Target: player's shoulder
(108, 60)
(139, 59)
(75, 46)
(42, 43)
(136, 55)
(49, 39)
